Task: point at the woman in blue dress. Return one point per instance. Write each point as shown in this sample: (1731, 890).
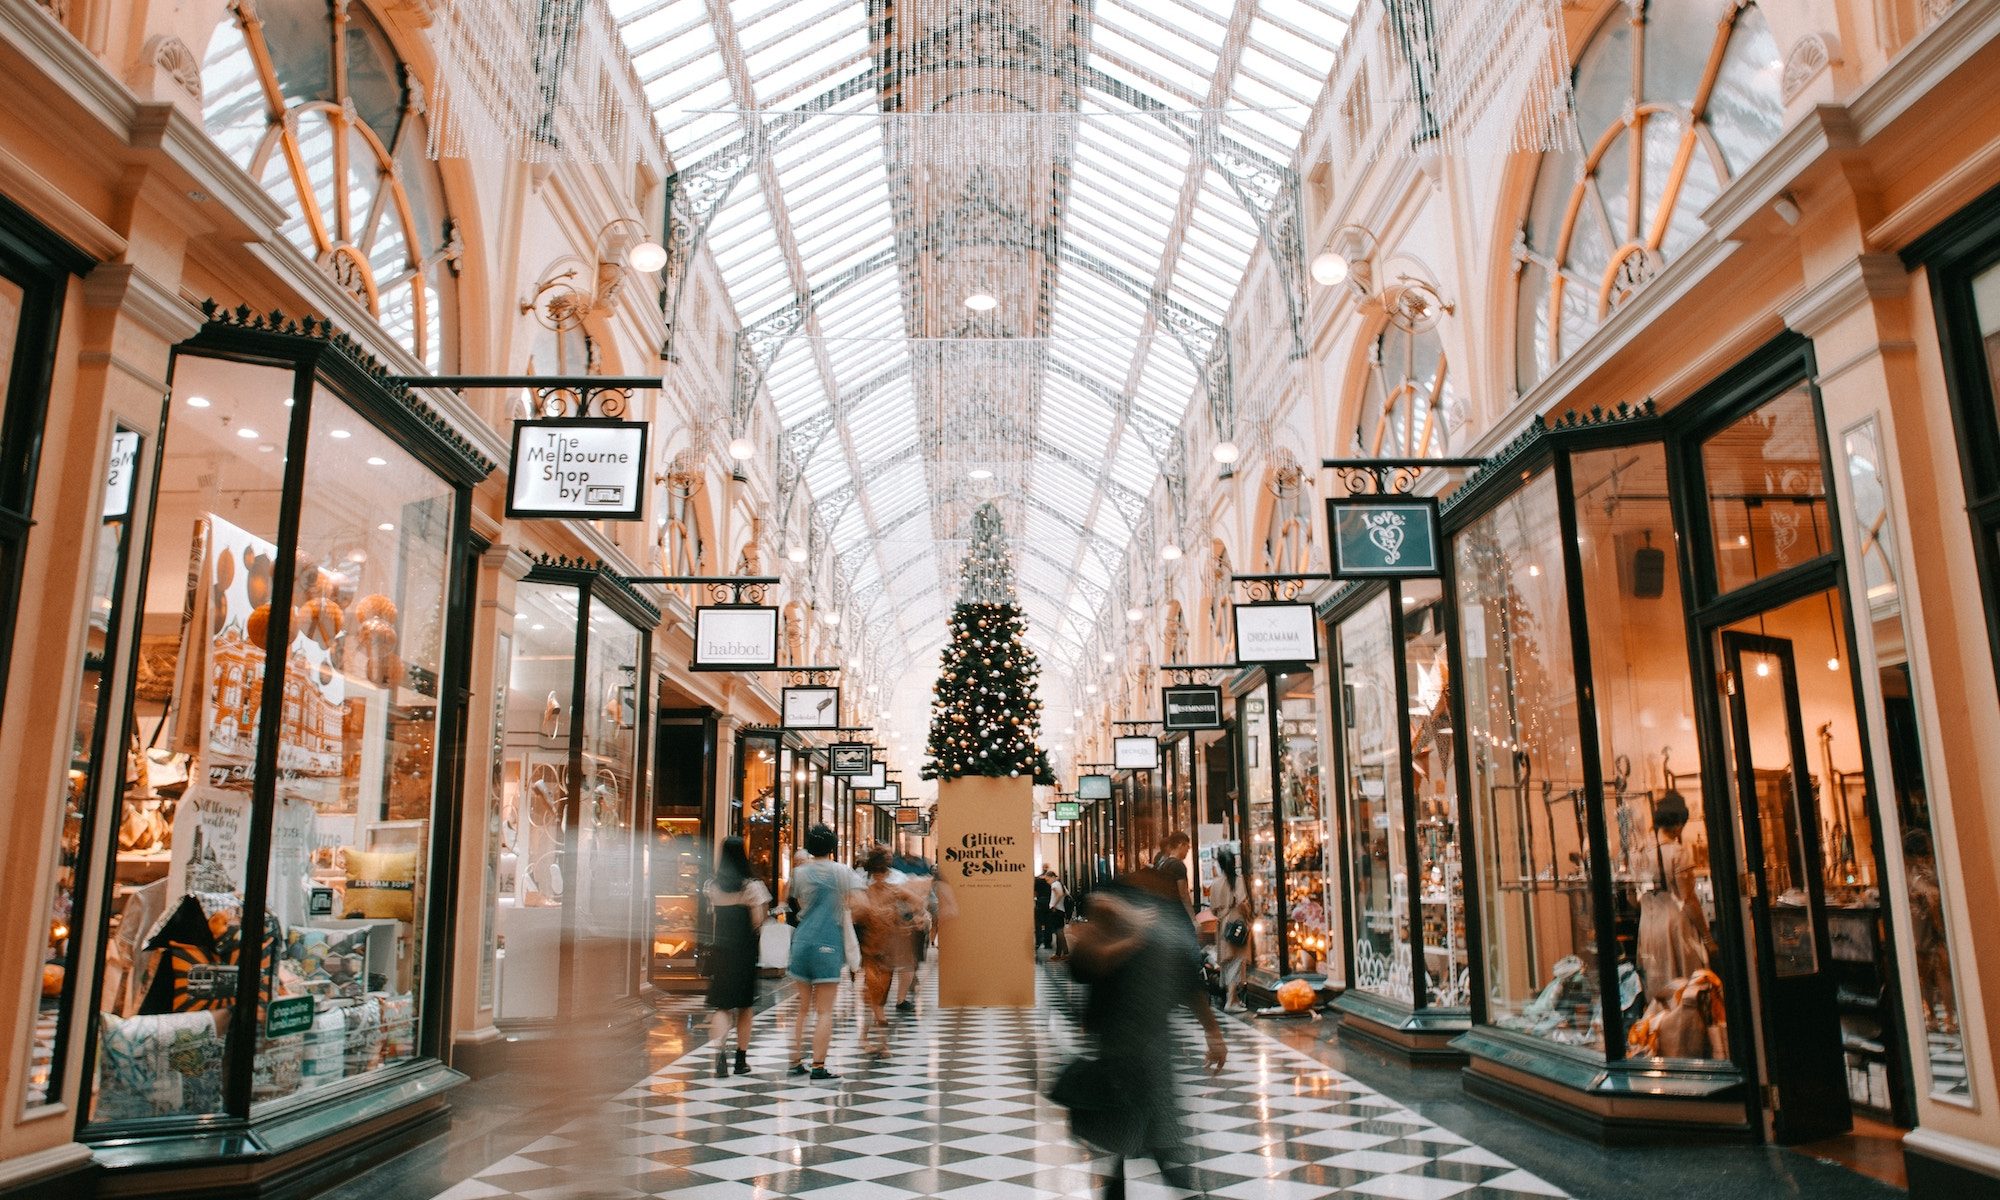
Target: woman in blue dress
(819, 945)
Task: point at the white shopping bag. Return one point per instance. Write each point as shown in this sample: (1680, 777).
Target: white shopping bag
(774, 945)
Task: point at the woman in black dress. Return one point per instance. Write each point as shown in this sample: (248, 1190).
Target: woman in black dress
(739, 903)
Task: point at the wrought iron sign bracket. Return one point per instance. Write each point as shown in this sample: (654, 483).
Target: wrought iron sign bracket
(556, 396)
(1276, 587)
(1202, 673)
(722, 589)
(1138, 724)
(810, 676)
(1391, 476)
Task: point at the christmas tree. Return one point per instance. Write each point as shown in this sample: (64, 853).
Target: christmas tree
(986, 717)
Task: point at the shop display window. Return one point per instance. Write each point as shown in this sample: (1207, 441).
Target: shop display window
(1663, 894)
(1438, 887)
(758, 805)
(1377, 865)
(572, 857)
(1872, 537)
(90, 753)
(1261, 863)
(1528, 792)
(1767, 491)
(270, 901)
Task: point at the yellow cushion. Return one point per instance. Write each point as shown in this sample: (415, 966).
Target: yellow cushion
(382, 884)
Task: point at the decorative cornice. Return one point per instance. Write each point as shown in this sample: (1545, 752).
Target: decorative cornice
(1538, 430)
(322, 330)
(135, 294)
(597, 567)
(1861, 279)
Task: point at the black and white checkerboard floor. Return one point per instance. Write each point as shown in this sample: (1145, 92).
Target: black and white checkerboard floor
(957, 1111)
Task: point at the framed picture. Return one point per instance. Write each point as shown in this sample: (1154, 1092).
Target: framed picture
(1276, 634)
(850, 759)
(1135, 753)
(810, 708)
(735, 637)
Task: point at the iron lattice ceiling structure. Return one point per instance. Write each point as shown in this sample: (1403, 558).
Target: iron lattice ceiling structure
(1105, 170)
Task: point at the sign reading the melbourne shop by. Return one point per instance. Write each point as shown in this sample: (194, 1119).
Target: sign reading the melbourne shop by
(1191, 706)
(1383, 536)
(735, 637)
(1276, 633)
(578, 468)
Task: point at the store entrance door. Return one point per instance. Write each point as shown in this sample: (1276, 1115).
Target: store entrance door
(1805, 1089)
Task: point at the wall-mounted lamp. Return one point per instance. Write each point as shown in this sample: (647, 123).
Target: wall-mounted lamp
(1349, 258)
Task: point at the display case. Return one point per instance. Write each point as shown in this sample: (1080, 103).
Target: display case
(272, 920)
(684, 775)
(1408, 933)
(572, 901)
(1282, 823)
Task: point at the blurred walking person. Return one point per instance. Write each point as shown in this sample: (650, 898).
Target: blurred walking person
(1141, 961)
(1229, 900)
(923, 885)
(738, 904)
(887, 917)
(819, 947)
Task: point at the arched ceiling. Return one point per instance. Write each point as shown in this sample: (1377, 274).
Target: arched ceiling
(1105, 169)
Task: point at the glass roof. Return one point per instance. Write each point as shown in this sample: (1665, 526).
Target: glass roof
(1056, 156)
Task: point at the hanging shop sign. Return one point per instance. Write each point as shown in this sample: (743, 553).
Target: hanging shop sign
(1093, 787)
(874, 779)
(810, 708)
(1190, 706)
(1051, 825)
(577, 467)
(1068, 810)
(850, 760)
(908, 815)
(735, 637)
(118, 480)
(1276, 633)
(889, 795)
(1376, 537)
(1135, 753)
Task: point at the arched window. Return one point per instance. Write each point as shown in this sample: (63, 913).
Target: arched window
(682, 549)
(1288, 530)
(309, 97)
(1674, 98)
(1408, 407)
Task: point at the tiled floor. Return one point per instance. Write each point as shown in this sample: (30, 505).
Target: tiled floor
(958, 1111)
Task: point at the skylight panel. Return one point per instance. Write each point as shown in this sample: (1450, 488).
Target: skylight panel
(1185, 81)
(1131, 467)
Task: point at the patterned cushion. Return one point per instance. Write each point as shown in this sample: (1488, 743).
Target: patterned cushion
(151, 1066)
(362, 1050)
(382, 884)
(399, 1027)
(332, 961)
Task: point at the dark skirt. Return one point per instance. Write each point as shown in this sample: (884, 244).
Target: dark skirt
(732, 960)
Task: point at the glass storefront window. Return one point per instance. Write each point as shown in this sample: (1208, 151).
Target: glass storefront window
(357, 758)
(1528, 801)
(1307, 940)
(88, 756)
(757, 806)
(168, 994)
(1655, 815)
(571, 895)
(1438, 889)
(1872, 536)
(1261, 867)
(1379, 904)
(1767, 491)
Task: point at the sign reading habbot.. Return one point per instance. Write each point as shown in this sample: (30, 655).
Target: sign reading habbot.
(578, 467)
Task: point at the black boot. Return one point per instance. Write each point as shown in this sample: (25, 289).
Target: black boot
(722, 1064)
(742, 1063)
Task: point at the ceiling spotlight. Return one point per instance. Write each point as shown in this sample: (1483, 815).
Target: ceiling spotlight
(1090, 689)
(339, 434)
(741, 448)
(248, 433)
(1328, 268)
(648, 256)
(1170, 552)
(1107, 656)
(796, 554)
(1225, 452)
(197, 401)
(1135, 614)
(387, 527)
(982, 301)
(830, 619)
(979, 473)
(376, 460)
